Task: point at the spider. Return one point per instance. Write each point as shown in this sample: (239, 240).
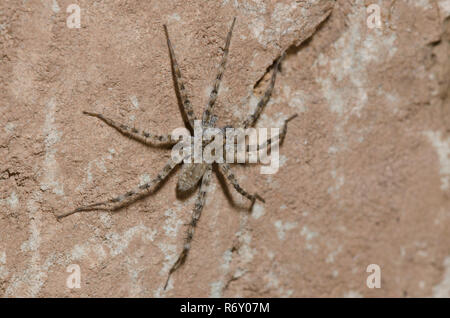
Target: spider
(191, 173)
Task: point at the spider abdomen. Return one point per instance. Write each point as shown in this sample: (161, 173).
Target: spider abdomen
(190, 174)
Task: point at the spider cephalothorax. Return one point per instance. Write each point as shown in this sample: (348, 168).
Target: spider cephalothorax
(191, 173)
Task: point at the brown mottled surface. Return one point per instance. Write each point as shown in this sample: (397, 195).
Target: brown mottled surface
(365, 174)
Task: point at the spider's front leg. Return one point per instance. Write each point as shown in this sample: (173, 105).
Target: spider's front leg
(200, 202)
(136, 134)
(181, 88)
(126, 198)
(206, 119)
(226, 169)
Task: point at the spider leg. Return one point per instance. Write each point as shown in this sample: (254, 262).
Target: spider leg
(187, 106)
(250, 121)
(126, 198)
(200, 202)
(206, 120)
(226, 169)
(136, 134)
(280, 136)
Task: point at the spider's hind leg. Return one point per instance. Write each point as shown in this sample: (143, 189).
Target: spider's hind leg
(200, 202)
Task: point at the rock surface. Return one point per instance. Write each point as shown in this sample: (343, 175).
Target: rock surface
(365, 168)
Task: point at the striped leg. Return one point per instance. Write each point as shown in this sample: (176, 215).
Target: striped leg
(187, 106)
(126, 198)
(226, 169)
(250, 121)
(206, 120)
(280, 136)
(191, 227)
(142, 136)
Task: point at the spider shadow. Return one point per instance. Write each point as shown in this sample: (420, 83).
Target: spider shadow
(183, 195)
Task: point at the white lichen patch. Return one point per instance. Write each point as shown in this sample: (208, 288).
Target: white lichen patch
(34, 276)
(217, 286)
(298, 101)
(99, 163)
(257, 210)
(332, 255)
(174, 17)
(339, 181)
(255, 13)
(355, 53)
(118, 243)
(353, 294)
(134, 102)
(52, 136)
(273, 282)
(171, 227)
(283, 227)
(424, 4)
(268, 29)
(283, 160)
(275, 121)
(172, 223)
(246, 251)
(344, 72)
(55, 7)
(91, 251)
(252, 103)
(3, 269)
(170, 253)
(442, 290)
(9, 128)
(12, 201)
(257, 26)
(444, 6)
(333, 150)
(308, 234)
(144, 178)
(216, 289)
(391, 98)
(442, 148)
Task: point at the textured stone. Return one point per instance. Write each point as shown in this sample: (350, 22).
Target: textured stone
(365, 168)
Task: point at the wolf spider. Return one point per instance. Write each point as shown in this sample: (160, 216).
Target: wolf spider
(191, 173)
